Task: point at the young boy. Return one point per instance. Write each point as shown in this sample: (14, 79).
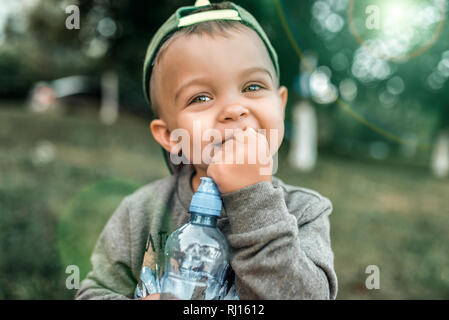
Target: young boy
(211, 68)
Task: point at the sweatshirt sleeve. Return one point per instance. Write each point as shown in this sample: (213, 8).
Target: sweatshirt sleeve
(111, 277)
(279, 254)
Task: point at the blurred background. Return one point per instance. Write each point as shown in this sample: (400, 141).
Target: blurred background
(367, 125)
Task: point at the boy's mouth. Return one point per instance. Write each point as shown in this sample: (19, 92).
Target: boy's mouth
(228, 137)
(225, 139)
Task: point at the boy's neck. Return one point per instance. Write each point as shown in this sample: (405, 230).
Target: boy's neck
(196, 181)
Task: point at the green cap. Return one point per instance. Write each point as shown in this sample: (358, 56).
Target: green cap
(185, 16)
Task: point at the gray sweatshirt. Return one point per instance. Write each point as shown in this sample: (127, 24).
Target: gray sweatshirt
(278, 236)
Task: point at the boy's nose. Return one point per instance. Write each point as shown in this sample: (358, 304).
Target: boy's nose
(233, 112)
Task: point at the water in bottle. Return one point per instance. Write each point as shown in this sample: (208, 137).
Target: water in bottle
(197, 254)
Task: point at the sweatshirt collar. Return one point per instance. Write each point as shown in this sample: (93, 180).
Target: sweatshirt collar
(185, 190)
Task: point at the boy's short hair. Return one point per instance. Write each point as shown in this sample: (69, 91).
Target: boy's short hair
(211, 28)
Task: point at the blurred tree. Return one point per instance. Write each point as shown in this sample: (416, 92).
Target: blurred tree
(400, 99)
(114, 34)
(396, 100)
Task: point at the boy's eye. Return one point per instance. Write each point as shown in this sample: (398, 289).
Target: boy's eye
(253, 87)
(199, 99)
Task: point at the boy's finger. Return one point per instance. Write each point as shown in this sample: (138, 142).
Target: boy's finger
(154, 296)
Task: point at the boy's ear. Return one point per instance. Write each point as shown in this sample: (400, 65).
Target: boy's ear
(161, 134)
(283, 94)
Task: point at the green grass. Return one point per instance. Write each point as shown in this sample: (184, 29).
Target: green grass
(51, 214)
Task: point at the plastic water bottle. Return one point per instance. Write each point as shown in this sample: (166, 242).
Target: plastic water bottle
(197, 253)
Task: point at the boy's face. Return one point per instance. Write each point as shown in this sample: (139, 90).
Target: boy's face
(217, 83)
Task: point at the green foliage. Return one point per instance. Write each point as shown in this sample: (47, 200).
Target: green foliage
(419, 111)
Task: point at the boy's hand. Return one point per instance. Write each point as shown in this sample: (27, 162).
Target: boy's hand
(154, 296)
(247, 145)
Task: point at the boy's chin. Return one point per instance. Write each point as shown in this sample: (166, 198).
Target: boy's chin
(201, 168)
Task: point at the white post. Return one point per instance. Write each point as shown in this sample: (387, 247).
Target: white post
(109, 97)
(440, 155)
(304, 145)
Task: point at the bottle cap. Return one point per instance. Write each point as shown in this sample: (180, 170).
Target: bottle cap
(207, 199)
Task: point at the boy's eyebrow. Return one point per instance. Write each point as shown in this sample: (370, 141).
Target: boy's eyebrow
(256, 69)
(188, 83)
